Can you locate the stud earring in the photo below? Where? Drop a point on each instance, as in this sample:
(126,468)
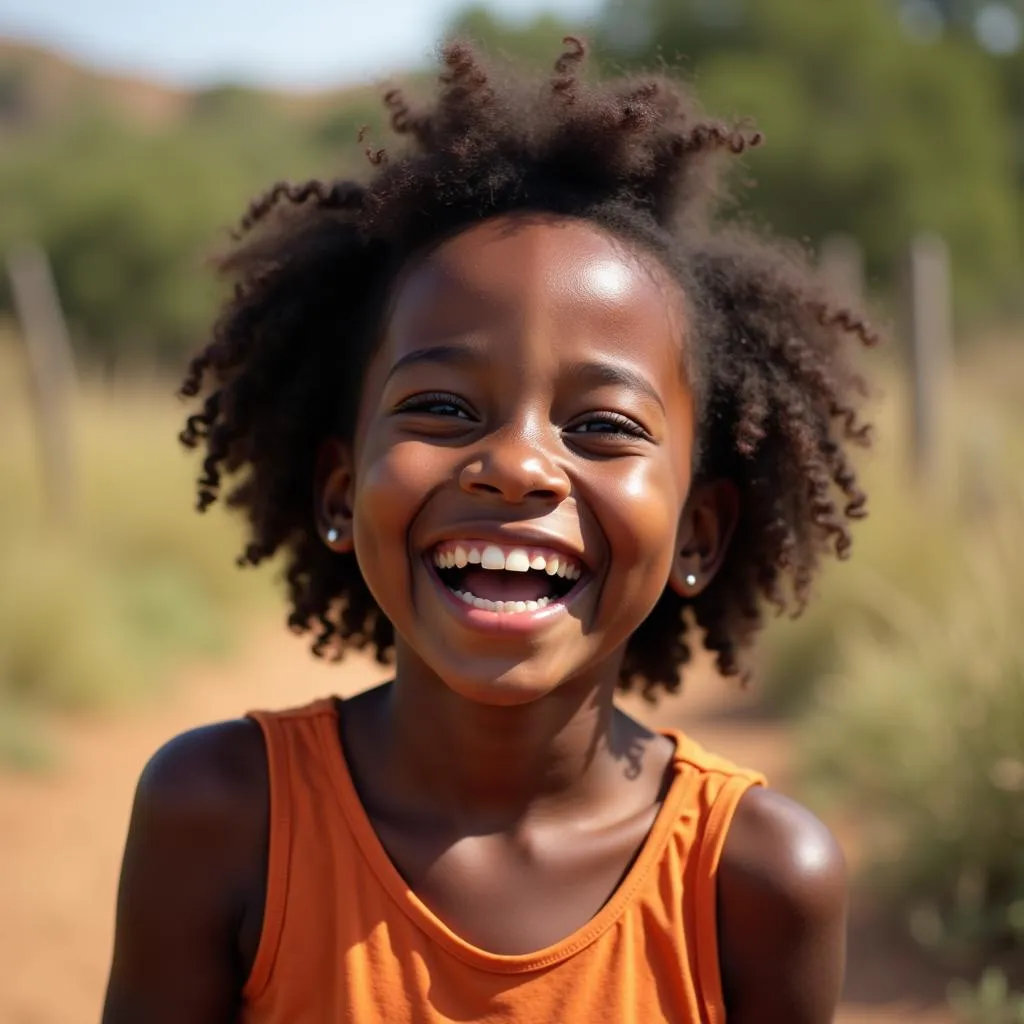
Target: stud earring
(332,536)
(691,580)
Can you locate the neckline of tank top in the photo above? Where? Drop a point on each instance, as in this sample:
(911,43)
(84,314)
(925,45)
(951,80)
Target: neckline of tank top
(432,926)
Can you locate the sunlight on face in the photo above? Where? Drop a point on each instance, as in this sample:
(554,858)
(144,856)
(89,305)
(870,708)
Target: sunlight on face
(633,483)
(608,280)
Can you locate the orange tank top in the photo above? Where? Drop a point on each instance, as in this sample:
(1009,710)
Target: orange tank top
(345,939)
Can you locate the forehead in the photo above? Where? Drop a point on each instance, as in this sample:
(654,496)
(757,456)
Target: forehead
(524,269)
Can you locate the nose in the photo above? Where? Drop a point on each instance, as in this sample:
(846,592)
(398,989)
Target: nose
(514,469)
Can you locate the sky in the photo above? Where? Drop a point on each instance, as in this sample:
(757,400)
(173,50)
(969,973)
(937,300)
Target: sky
(296,44)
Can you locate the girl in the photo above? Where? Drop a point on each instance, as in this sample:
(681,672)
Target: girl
(515,413)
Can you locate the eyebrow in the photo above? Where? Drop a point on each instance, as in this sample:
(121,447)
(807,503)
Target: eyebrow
(615,374)
(592,373)
(443,355)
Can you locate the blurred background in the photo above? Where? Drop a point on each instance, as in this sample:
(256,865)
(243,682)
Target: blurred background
(131,138)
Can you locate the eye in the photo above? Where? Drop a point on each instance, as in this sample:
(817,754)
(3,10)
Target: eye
(609,424)
(436,403)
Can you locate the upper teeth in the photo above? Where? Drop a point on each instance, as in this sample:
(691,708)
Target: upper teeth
(491,556)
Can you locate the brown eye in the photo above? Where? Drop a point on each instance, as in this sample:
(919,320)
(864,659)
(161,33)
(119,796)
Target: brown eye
(438,404)
(610,424)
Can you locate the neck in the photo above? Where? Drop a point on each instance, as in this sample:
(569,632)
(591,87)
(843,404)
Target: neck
(560,749)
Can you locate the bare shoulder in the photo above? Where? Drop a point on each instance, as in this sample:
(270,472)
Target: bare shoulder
(213,770)
(779,848)
(204,798)
(782,893)
(191,893)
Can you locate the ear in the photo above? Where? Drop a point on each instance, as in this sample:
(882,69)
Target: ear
(705,530)
(333,495)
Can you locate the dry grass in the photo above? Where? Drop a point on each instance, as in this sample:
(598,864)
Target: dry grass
(98,612)
(909,541)
(910,674)
(920,737)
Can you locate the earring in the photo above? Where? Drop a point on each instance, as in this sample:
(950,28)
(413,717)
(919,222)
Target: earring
(691,580)
(332,536)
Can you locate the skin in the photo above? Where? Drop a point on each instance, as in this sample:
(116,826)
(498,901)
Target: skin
(528,382)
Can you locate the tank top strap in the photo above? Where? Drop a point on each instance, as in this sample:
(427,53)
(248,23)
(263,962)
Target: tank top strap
(713,788)
(299,780)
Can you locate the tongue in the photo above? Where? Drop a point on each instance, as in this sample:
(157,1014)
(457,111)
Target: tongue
(501,585)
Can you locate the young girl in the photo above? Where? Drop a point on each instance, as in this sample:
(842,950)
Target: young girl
(515,413)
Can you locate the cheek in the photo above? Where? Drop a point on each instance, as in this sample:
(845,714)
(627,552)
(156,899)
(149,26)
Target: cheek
(640,514)
(391,485)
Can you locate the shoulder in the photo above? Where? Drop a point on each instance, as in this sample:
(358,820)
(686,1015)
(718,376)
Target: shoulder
(778,848)
(200,822)
(207,770)
(190,898)
(782,891)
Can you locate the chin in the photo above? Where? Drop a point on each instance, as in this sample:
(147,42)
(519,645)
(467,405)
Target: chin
(514,686)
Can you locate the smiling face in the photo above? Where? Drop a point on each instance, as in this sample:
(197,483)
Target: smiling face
(523,456)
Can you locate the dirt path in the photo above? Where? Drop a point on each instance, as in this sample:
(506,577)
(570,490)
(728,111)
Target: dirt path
(61,836)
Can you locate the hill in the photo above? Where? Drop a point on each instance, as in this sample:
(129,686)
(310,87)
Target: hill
(41,87)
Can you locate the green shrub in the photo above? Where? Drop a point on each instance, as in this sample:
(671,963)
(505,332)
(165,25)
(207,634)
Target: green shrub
(990,1002)
(908,543)
(97,612)
(919,738)
(24,741)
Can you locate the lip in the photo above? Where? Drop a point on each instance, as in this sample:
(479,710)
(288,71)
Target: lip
(519,536)
(503,623)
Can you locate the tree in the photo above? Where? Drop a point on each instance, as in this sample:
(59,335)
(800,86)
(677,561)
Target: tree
(129,216)
(868,132)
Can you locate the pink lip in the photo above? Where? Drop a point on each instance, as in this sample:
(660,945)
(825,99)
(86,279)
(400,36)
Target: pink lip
(519,623)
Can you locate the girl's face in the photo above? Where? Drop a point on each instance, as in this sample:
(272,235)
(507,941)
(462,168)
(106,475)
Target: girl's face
(523,456)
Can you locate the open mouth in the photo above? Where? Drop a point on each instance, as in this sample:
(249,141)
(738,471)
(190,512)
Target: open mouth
(506,579)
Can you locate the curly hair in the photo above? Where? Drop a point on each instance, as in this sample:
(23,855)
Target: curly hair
(312,264)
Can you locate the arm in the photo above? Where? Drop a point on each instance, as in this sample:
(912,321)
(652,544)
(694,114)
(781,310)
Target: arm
(190,900)
(782,914)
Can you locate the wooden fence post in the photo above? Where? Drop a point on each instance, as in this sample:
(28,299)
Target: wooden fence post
(929,317)
(51,364)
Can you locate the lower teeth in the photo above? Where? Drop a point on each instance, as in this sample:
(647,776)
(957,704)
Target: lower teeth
(506,607)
